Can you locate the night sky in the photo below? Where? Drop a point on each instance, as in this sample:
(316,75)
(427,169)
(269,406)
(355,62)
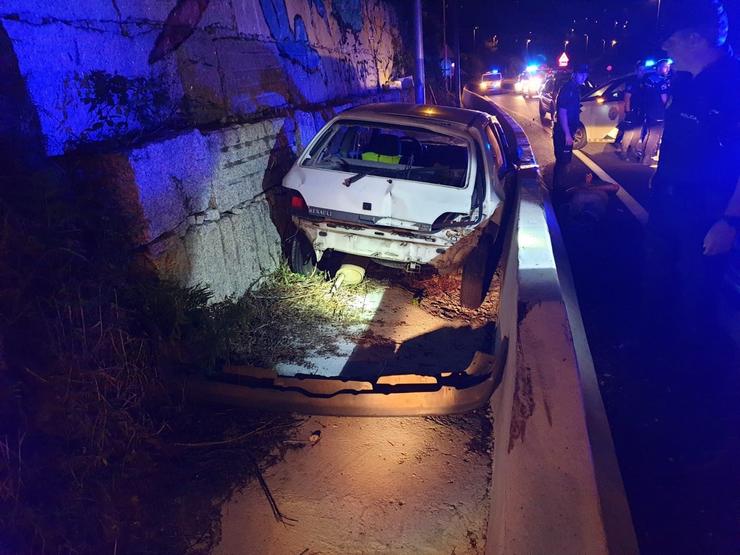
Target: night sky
(631,23)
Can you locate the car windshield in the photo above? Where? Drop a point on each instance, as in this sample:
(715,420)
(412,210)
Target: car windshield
(492,77)
(368,148)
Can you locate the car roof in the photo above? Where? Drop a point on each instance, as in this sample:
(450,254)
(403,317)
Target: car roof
(440,115)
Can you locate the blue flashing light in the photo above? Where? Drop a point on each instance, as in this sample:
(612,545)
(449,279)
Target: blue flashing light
(495,70)
(532,68)
(670,61)
(649,63)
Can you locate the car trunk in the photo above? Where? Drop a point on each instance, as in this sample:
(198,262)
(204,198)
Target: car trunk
(380,200)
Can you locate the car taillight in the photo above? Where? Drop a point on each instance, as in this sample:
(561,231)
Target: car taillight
(297,203)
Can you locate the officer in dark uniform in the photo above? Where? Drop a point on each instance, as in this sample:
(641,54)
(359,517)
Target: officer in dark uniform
(657,89)
(634,108)
(567,122)
(695,193)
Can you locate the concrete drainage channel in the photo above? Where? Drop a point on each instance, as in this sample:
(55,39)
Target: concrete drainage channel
(424,485)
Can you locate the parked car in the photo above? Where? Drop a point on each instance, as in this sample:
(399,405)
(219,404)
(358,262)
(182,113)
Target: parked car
(548,95)
(491,82)
(403,185)
(603,109)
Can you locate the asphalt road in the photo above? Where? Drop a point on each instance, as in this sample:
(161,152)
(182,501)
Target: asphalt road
(676,432)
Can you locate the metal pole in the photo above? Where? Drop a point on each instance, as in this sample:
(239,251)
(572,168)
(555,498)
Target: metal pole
(419,78)
(444,41)
(458,68)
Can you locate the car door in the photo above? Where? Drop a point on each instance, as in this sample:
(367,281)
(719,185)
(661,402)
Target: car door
(603,109)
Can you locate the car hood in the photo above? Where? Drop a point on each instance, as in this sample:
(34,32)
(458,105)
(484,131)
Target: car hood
(381,200)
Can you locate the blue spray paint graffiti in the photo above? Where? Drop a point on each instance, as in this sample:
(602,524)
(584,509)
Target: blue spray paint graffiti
(293,44)
(348,14)
(319,5)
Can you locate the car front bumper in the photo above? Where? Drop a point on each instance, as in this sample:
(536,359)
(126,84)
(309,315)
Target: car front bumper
(444,249)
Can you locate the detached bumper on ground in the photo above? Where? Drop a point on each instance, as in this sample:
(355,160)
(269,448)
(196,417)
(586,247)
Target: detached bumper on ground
(389,395)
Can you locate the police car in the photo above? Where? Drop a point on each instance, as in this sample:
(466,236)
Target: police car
(530,82)
(491,82)
(405,186)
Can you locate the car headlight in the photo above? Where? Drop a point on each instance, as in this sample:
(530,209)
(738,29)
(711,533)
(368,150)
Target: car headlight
(482,86)
(497,84)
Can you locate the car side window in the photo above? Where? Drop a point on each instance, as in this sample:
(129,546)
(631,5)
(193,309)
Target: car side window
(617,91)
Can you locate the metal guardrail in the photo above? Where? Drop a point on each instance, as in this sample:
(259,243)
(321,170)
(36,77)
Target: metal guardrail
(557,486)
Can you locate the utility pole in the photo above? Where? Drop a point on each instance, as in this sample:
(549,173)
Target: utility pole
(446,62)
(458,69)
(419,77)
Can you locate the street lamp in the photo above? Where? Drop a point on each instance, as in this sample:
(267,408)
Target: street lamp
(475,29)
(657,18)
(565,45)
(528,41)
(614,43)
(586,35)
(603,46)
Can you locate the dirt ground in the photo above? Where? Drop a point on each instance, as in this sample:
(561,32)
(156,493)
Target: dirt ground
(370,485)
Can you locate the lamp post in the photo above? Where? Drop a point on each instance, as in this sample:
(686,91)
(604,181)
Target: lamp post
(586,35)
(475,29)
(527,46)
(603,46)
(565,45)
(419,35)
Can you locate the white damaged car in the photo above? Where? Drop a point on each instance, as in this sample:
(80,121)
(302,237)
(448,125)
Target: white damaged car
(404,185)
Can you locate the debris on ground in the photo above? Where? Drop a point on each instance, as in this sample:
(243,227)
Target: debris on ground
(440,296)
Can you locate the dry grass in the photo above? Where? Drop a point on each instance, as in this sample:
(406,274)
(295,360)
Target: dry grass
(291,317)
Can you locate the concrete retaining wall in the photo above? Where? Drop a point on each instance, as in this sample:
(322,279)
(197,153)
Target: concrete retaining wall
(204,105)
(557,486)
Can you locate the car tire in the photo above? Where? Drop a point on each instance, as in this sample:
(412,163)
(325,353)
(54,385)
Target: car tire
(302,256)
(580,140)
(543,114)
(473,286)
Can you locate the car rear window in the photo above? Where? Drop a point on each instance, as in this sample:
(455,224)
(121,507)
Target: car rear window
(392,151)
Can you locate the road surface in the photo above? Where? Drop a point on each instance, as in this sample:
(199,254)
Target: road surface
(677,434)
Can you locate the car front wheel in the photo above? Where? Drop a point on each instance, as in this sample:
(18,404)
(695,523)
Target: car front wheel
(543,113)
(580,140)
(474,283)
(302,257)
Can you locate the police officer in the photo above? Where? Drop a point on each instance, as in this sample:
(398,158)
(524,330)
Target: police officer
(656,88)
(634,108)
(567,122)
(695,193)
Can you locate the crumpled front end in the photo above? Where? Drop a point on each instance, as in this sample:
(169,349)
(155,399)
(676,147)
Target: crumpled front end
(445,249)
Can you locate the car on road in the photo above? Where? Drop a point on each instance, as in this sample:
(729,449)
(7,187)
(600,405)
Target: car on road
(529,83)
(548,95)
(403,185)
(491,82)
(603,109)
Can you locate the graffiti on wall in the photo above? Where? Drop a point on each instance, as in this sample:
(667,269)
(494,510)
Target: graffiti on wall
(291,43)
(348,14)
(319,5)
(178,27)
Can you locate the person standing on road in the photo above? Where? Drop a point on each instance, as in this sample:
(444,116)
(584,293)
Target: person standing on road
(657,88)
(634,109)
(567,122)
(695,193)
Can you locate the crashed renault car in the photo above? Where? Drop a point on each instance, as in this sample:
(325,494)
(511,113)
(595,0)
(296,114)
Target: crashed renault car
(404,185)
